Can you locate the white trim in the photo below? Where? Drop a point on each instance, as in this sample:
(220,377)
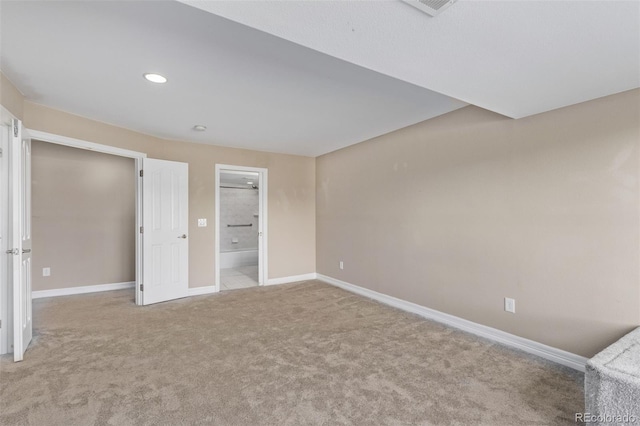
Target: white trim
(139,236)
(559,356)
(198,291)
(6,308)
(216,224)
(292,279)
(77,143)
(82,290)
(263,246)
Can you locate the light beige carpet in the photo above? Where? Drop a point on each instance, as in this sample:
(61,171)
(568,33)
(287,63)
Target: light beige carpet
(284,355)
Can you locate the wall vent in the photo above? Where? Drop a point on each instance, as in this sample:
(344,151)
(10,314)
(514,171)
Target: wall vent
(431,7)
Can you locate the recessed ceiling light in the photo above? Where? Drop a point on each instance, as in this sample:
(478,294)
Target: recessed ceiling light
(155,78)
(199,128)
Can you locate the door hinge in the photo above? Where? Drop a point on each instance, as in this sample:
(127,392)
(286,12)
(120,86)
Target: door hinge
(141,173)
(15,128)
(141,287)
(0,152)
(142,229)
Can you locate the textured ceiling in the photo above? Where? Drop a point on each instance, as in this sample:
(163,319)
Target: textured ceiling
(251,89)
(305,77)
(516,58)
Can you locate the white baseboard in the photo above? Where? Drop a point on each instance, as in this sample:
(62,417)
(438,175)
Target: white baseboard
(199,291)
(81,290)
(292,279)
(547,352)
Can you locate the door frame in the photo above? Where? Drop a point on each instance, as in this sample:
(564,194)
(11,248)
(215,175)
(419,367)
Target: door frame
(6,289)
(107,149)
(263,246)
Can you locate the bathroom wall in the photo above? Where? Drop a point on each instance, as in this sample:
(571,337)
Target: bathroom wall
(238,206)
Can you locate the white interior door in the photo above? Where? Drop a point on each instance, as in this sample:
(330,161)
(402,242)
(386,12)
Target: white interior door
(165,211)
(20,205)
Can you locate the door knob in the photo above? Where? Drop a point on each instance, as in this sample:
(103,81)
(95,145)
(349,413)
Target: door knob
(183,236)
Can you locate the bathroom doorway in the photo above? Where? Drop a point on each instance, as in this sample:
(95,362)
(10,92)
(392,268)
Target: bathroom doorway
(240,231)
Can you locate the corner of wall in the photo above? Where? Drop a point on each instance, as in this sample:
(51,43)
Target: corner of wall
(10,97)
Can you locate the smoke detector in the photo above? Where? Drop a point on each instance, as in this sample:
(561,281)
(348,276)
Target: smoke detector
(430,7)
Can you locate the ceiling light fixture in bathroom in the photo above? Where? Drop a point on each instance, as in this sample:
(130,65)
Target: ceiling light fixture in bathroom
(199,128)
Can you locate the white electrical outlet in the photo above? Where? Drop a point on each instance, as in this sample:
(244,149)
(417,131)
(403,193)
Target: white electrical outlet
(202,223)
(510,305)
(46,272)
(341,264)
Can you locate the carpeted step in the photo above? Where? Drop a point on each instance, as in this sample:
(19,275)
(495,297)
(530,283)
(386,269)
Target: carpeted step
(612,383)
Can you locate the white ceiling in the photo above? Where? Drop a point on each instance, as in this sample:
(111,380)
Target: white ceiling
(516,58)
(310,77)
(251,89)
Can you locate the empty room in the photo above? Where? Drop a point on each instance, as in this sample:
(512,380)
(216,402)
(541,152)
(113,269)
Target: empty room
(392,212)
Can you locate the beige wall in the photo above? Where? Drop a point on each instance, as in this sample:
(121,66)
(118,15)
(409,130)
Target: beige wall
(83,210)
(458,212)
(291,191)
(454,213)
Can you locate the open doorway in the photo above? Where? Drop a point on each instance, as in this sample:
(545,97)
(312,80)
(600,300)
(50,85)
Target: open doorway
(166,257)
(84,217)
(240,227)
(136,181)
(16,224)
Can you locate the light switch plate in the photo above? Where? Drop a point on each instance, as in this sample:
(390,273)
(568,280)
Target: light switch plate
(510,305)
(46,272)
(202,223)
